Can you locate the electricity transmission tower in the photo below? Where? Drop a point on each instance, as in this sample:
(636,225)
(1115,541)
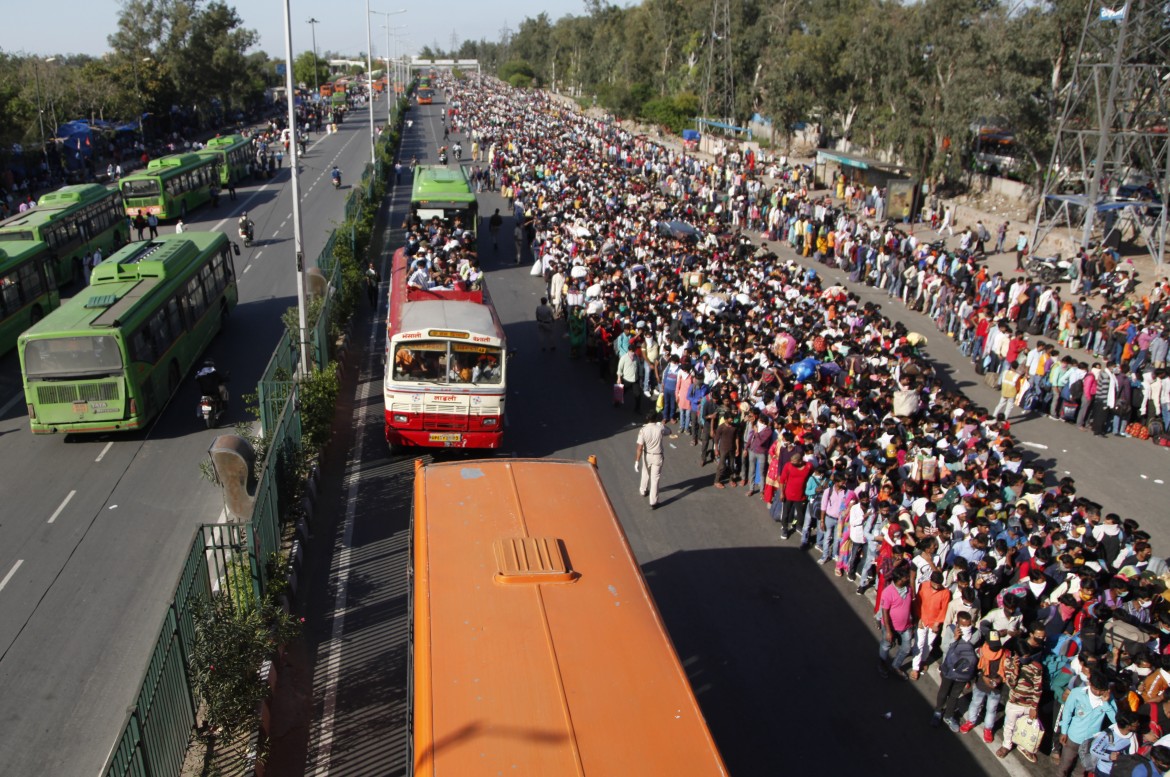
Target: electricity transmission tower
(719,79)
(1111,141)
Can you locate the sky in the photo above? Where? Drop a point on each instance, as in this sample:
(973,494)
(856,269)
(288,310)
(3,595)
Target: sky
(341,25)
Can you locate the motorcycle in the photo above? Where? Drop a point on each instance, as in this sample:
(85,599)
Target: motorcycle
(246,234)
(211,407)
(442,157)
(212,402)
(1048,269)
(337,182)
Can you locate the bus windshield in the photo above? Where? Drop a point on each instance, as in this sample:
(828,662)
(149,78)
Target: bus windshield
(66,357)
(140,187)
(442,361)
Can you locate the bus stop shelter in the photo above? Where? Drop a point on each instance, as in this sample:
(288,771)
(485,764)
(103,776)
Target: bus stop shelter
(857,168)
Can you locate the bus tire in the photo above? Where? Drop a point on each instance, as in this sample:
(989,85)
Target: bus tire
(173,378)
(183,210)
(36,315)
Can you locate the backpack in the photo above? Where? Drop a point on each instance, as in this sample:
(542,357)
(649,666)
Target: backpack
(1128,765)
(960,662)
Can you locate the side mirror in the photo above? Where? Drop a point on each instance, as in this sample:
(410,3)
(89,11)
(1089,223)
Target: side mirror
(236,248)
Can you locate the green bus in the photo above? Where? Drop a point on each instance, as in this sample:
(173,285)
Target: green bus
(27,288)
(446,193)
(235,156)
(170,185)
(72,221)
(111,357)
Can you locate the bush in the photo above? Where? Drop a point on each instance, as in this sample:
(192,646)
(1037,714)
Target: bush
(318,396)
(231,643)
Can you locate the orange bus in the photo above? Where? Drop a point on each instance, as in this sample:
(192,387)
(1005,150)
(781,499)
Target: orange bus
(536,646)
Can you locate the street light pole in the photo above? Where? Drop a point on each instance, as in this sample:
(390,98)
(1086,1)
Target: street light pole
(298,239)
(370,68)
(40,108)
(316,85)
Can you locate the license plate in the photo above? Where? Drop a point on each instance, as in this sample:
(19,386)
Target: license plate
(80,407)
(445,437)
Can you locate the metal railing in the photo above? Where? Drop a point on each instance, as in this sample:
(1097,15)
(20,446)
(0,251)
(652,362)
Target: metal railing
(158,727)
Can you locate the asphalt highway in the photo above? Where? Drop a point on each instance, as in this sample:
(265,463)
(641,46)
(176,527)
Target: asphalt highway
(782,656)
(94,530)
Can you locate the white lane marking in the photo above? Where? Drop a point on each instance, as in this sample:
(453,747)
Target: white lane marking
(246,268)
(11,572)
(105,450)
(239,208)
(8,405)
(57,512)
(277,232)
(257,256)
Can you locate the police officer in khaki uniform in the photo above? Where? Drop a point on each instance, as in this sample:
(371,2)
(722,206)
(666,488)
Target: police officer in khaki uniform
(649,456)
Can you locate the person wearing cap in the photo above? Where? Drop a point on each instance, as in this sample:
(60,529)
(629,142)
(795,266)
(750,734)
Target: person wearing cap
(1024,677)
(985,693)
(649,455)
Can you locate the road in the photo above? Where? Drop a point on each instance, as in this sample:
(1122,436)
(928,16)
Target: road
(782,655)
(94,530)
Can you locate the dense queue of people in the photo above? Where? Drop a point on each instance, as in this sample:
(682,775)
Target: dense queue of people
(996,571)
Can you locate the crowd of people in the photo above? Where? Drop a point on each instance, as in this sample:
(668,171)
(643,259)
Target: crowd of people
(993,569)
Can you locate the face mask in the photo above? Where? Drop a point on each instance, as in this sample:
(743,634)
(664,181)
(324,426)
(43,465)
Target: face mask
(965,631)
(1142,671)
(997,505)
(1145,605)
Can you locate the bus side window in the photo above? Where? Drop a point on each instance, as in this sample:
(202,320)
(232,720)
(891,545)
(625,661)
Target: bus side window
(162,328)
(8,295)
(142,346)
(219,267)
(175,315)
(30,282)
(196,303)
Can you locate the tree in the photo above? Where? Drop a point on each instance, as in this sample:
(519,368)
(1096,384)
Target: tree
(309,69)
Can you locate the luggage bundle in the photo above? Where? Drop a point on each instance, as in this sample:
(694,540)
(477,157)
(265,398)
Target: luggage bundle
(1138,430)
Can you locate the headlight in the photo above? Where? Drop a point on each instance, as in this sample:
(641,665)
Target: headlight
(490,421)
(400,419)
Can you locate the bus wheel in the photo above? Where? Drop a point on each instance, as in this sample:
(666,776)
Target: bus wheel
(173,378)
(36,315)
(183,210)
(76,273)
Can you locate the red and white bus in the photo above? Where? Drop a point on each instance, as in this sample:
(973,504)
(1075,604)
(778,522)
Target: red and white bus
(446,354)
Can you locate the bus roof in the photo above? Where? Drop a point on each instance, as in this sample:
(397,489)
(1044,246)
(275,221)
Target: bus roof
(226,142)
(122,281)
(169,165)
(20,226)
(14,251)
(538,647)
(446,314)
(438,182)
(73,195)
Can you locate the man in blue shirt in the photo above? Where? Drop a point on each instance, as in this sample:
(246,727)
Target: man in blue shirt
(1084,711)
